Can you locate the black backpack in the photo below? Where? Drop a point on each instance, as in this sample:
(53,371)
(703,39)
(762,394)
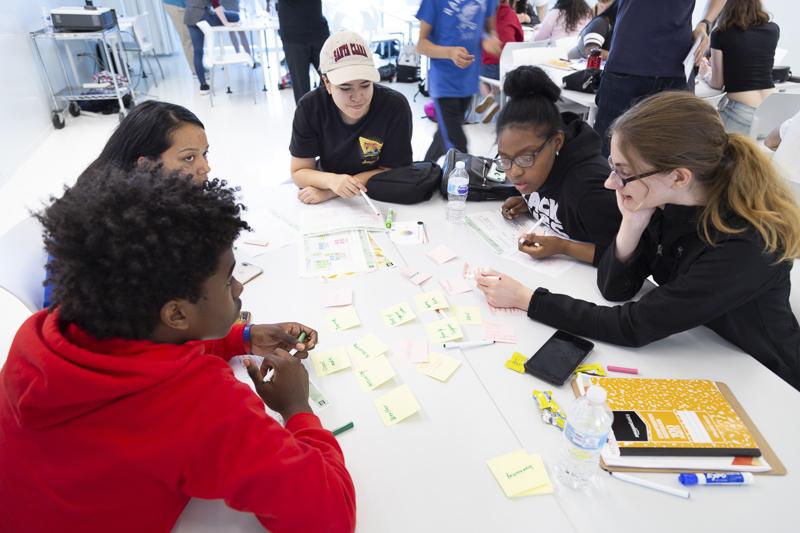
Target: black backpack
(406,185)
(481,186)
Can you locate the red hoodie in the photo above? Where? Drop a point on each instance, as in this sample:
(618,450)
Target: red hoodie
(117,436)
(509,30)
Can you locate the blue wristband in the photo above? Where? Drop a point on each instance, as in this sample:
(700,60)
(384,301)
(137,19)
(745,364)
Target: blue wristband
(246,335)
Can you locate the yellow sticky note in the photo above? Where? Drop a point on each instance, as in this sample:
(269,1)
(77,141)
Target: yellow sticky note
(445,330)
(431,301)
(439,366)
(397,405)
(468,315)
(330,361)
(375,373)
(517,362)
(547,487)
(367,347)
(519,473)
(397,314)
(342,319)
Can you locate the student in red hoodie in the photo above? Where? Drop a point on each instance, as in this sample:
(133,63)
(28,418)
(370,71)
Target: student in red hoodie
(509,30)
(118,405)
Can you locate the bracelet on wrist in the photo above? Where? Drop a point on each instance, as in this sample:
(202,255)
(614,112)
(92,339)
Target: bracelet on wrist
(246,337)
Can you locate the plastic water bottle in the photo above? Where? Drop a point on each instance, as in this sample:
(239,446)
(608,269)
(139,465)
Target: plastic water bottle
(457,189)
(588,423)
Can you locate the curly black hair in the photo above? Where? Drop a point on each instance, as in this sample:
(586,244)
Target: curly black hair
(126,241)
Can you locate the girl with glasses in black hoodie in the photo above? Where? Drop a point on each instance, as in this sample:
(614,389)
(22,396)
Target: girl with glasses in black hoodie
(555,163)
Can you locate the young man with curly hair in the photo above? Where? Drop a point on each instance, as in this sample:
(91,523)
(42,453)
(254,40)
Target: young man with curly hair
(117,404)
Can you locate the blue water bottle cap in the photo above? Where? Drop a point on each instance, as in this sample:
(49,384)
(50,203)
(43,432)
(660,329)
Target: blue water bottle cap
(687,479)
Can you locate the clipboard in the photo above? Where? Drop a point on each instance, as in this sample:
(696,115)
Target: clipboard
(776,466)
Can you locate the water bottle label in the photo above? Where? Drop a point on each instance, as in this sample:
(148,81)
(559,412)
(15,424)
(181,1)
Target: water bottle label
(584,442)
(460,189)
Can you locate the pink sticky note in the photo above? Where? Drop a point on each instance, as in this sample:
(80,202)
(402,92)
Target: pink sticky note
(501,311)
(442,254)
(414,276)
(415,351)
(499,332)
(456,286)
(338,298)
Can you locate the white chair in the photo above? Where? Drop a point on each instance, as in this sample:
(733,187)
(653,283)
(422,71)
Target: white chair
(776,108)
(509,59)
(217,56)
(22,269)
(143,46)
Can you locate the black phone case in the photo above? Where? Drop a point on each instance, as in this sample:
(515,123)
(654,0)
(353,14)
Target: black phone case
(583,345)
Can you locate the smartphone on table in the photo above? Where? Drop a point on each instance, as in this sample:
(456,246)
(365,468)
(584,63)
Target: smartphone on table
(558,358)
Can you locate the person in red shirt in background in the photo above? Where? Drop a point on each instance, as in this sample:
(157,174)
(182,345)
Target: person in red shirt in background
(118,405)
(509,30)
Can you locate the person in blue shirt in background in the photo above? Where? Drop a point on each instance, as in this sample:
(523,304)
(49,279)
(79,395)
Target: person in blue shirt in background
(650,41)
(451,33)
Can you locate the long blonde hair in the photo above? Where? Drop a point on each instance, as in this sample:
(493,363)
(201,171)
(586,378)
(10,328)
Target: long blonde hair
(676,129)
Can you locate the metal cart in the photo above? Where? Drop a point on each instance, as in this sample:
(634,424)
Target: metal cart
(67,99)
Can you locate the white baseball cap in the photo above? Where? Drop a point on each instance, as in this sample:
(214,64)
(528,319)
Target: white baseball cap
(345,57)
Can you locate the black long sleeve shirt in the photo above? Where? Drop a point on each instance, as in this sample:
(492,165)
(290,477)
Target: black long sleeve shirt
(734,288)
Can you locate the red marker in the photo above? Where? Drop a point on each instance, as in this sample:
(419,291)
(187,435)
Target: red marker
(622,369)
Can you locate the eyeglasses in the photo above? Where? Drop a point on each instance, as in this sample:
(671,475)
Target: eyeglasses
(626,180)
(523,160)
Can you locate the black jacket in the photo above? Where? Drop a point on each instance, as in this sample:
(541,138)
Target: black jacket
(574,201)
(734,288)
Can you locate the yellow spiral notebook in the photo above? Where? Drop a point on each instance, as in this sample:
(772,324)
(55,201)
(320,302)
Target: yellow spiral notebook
(677,417)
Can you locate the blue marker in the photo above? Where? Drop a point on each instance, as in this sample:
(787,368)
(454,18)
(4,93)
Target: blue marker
(731,478)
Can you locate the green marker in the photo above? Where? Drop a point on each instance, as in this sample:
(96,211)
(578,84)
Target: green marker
(389,218)
(300,339)
(342,429)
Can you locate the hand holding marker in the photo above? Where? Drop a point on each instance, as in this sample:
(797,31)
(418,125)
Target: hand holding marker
(524,237)
(293,351)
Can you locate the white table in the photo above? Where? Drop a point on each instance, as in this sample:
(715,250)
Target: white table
(429,472)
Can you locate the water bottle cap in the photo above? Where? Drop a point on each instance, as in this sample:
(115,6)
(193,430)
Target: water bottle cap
(460,164)
(596,395)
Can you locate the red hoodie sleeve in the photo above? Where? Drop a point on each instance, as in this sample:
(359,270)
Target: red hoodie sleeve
(229,346)
(293,479)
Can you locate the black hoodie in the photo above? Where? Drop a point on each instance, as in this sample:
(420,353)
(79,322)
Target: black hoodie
(573,201)
(734,288)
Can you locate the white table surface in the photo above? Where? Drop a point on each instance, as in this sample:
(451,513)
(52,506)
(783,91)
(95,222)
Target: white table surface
(429,472)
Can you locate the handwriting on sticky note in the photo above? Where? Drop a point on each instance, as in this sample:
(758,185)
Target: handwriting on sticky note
(397,405)
(375,373)
(442,254)
(468,316)
(367,347)
(397,315)
(338,298)
(445,330)
(499,332)
(330,361)
(414,350)
(414,276)
(431,301)
(343,319)
(457,286)
(519,473)
(439,366)
(544,488)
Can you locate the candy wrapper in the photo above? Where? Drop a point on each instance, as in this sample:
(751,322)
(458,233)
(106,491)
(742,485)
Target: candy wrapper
(551,412)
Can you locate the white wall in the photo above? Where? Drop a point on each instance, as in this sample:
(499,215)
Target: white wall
(24,104)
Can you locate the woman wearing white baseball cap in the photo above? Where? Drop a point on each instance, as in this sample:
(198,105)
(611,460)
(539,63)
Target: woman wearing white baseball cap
(350,128)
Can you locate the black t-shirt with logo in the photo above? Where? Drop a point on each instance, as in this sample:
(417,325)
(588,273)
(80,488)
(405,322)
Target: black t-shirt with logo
(381,139)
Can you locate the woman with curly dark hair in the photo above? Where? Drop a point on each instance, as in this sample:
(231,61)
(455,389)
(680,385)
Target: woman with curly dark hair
(565,19)
(126,380)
